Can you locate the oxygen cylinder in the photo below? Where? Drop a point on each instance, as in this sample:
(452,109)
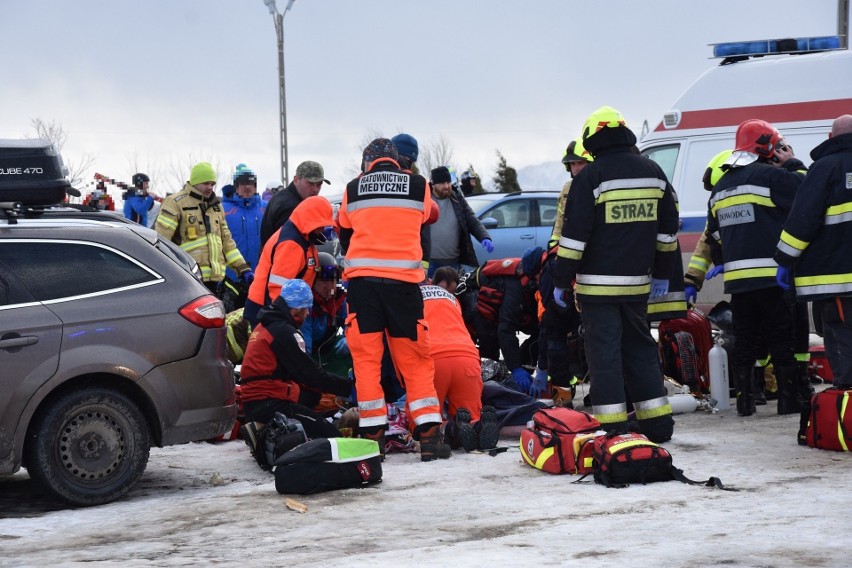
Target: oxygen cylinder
(719,383)
(682,403)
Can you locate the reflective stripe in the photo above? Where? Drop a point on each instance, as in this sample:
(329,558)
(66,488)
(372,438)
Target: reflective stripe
(652,408)
(699,263)
(762,362)
(194,244)
(232,341)
(275,279)
(837,214)
(609,280)
(666,238)
(794,243)
(385,203)
(569,253)
(841,436)
(610,413)
(741,194)
(434,418)
(542,458)
(612,290)
(423,403)
(750,268)
(634,187)
(802,357)
(383,262)
(829,284)
(666,247)
(789,250)
(374,404)
(167,222)
(716,236)
(368,421)
(572,244)
(631,444)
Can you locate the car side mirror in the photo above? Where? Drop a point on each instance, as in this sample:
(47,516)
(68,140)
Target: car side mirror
(489,223)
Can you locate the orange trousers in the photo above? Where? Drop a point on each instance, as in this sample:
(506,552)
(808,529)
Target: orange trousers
(458,380)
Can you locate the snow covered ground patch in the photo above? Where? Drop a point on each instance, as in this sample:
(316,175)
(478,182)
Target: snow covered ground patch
(470,510)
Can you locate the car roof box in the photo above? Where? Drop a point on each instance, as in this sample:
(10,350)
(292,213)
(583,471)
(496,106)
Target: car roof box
(31,172)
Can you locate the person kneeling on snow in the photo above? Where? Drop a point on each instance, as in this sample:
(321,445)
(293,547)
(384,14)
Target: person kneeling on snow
(278,375)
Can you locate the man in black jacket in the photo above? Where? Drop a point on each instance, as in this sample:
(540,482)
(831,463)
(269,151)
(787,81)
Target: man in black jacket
(306,183)
(449,236)
(617,248)
(278,375)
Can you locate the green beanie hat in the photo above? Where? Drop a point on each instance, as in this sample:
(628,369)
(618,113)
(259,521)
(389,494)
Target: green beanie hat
(202,172)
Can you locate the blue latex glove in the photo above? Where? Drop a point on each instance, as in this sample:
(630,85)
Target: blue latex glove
(247,276)
(659,287)
(782,276)
(522,378)
(488,245)
(715,271)
(559,297)
(329,234)
(539,384)
(691,294)
(341,347)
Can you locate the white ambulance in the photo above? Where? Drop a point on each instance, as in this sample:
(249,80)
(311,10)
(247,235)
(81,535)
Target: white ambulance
(798,85)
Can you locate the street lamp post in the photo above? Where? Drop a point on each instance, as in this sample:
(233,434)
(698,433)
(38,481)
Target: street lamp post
(278,19)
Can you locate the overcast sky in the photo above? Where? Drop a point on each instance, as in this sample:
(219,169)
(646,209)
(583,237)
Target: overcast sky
(150,85)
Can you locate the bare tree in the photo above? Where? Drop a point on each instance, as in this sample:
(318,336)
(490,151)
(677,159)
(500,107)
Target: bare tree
(434,154)
(355,170)
(78,168)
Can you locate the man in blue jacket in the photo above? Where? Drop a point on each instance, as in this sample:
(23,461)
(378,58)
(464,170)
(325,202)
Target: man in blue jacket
(244,212)
(137,202)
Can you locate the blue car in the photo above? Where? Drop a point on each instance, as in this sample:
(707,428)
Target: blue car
(516,221)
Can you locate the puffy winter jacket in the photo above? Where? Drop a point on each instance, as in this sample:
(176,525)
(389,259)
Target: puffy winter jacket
(244,216)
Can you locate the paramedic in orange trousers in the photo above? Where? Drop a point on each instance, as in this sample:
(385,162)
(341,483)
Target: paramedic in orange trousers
(380,218)
(458,369)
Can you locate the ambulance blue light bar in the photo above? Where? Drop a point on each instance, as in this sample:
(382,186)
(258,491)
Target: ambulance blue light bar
(775,46)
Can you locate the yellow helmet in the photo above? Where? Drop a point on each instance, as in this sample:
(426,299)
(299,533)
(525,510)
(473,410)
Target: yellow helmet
(604,117)
(714,169)
(576,152)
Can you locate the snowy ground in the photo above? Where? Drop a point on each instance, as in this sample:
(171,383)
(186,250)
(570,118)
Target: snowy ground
(470,510)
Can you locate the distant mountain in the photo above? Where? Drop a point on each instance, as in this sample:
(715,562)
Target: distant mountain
(549,176)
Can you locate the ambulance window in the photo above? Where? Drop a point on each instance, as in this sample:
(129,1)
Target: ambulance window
(665,156)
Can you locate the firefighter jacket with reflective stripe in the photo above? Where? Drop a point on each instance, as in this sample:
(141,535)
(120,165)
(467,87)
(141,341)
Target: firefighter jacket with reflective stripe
(276,365)
(448,334)
(818,230)
(198,226)
(290,253)
(746,211)
(620,228)
(380,220)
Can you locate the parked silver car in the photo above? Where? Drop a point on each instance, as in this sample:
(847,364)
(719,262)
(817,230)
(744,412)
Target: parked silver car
(108,344)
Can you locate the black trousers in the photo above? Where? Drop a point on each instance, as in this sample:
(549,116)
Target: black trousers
(837,332)
(762,321)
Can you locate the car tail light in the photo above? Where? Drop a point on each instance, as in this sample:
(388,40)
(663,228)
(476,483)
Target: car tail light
(206,311)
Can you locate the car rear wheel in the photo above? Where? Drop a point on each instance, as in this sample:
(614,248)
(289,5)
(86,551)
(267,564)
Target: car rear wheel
(88,447)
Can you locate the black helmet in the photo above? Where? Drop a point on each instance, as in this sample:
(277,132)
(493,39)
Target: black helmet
(139,179)
(328,268)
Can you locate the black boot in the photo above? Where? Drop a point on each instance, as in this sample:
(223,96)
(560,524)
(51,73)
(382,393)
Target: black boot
(377,435)
(788,392)
(803,385)
(432,444)
(744,383)
(760,386)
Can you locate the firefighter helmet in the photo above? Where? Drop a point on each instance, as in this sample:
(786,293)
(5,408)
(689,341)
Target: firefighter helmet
(715,170)
(576,152)
(604,117)
(757,137)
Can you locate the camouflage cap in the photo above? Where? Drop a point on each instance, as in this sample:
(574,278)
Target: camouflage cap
(312,172)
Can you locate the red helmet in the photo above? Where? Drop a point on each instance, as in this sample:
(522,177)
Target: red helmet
(758,137)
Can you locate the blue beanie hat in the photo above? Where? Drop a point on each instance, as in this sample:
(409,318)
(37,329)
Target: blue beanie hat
(406,145)
(297,294)
(531,261)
